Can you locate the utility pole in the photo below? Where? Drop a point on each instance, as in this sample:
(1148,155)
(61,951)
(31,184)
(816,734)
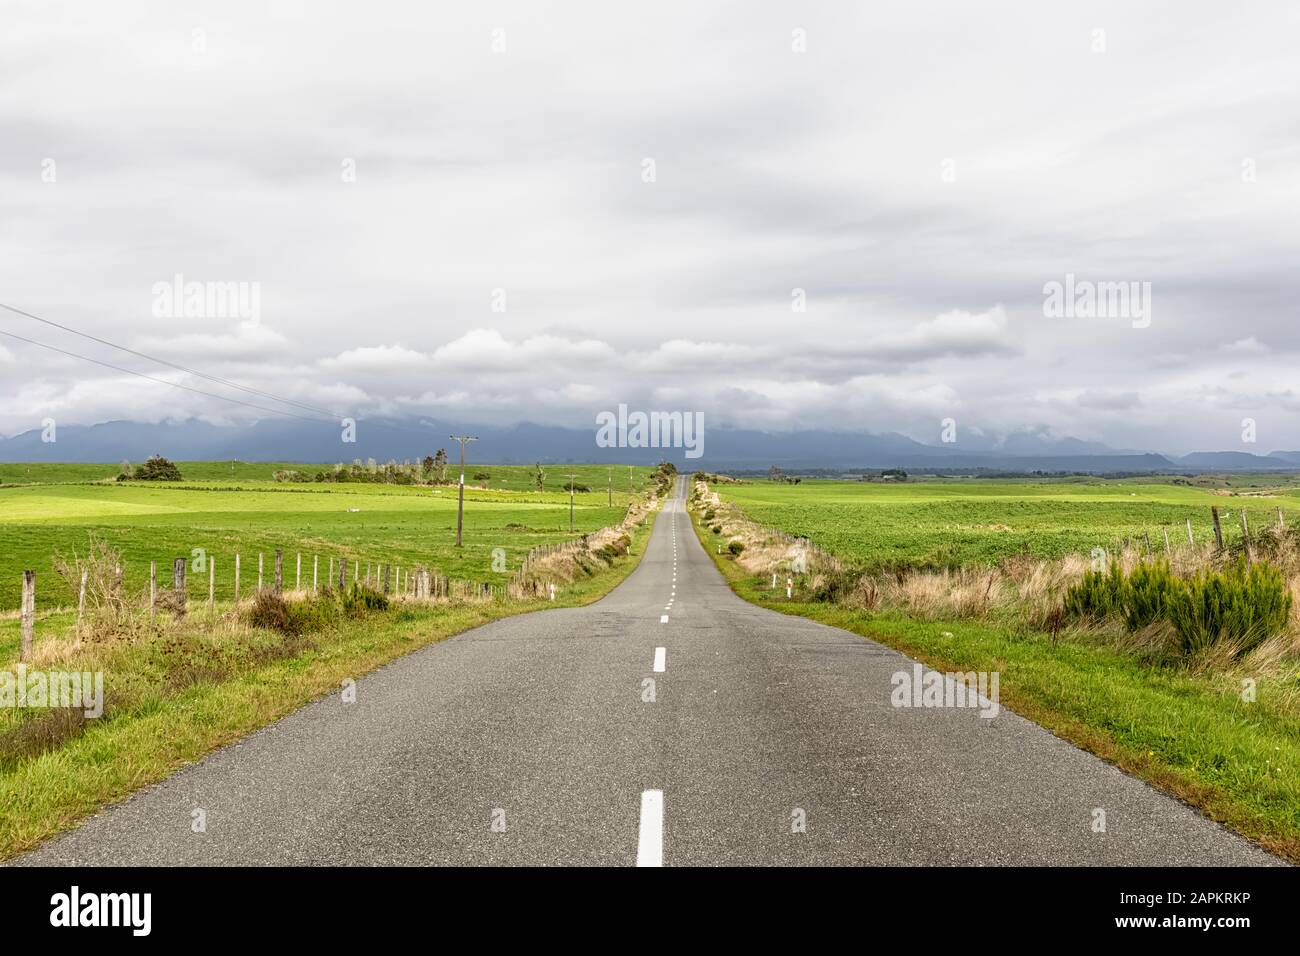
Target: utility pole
(460,502)
(572,479)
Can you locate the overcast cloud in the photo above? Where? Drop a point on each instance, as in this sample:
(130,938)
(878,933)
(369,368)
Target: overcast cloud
(920,172)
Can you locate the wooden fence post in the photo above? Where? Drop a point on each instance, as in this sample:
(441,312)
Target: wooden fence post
(315,571)
(178,583)
(388,579)
(28,614)
(279,570)
(1190,538)
(343,574)
(1245,533)
(236,577)
(297,578)
(259,572)
(153,587)
(1166,531)
(1218,529)
(212,582)
(81,597)
(1280,522)
(331,577)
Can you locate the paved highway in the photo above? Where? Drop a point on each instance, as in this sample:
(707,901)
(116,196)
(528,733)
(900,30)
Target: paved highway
(669,723)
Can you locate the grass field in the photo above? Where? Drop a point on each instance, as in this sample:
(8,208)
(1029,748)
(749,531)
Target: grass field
(953,523)
(47,509)
(1183,727)
(179,690)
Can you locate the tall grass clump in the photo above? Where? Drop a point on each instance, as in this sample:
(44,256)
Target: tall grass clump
(1245,604)
(1098,595)
(1238,607)
(1145,595)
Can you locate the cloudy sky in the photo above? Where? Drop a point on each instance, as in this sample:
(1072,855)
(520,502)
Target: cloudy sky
(492,212)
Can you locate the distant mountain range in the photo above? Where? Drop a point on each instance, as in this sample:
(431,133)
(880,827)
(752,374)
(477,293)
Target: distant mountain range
(724,448)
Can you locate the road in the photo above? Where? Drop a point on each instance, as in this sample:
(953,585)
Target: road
(763,739)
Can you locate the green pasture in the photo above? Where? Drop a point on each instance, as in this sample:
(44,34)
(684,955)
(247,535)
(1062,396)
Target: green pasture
(57,508)
(958,522)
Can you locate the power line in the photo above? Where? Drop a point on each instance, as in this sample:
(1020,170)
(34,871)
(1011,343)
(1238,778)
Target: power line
(181,368)
(333,417)
(163,381)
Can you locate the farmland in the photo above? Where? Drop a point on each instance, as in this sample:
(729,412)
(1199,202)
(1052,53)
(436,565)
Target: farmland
(176,685)
(1217,725)
(228,507)
(935,523)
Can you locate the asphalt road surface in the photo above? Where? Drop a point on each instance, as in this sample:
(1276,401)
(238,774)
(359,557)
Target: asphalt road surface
(762,739)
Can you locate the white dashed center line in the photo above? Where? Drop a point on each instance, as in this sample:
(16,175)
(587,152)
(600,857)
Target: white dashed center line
(663,619)
(650,841)
(661,659)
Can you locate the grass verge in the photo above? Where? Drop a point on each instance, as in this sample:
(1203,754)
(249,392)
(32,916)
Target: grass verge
(1190,735)
(51,791)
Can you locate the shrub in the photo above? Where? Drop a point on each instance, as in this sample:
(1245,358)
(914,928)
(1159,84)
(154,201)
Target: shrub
(292,618)
(735,547)
(1146,594)
(834,586)
(716,529)
(102,569)
(1246,604)
(1098,595)
(616,548)
(156,468)
(272,612)
(359,599)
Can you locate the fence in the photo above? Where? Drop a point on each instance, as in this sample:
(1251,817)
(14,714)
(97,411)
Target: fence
(527,583)
(815,557)
(418,583)
(389,578)
(1216,530)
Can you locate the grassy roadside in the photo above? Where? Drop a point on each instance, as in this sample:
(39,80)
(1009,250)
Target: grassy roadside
(119,754)
(1189,735)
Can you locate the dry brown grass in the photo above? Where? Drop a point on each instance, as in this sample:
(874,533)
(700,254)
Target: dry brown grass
(1022,591)
(967,592)
(580,558)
